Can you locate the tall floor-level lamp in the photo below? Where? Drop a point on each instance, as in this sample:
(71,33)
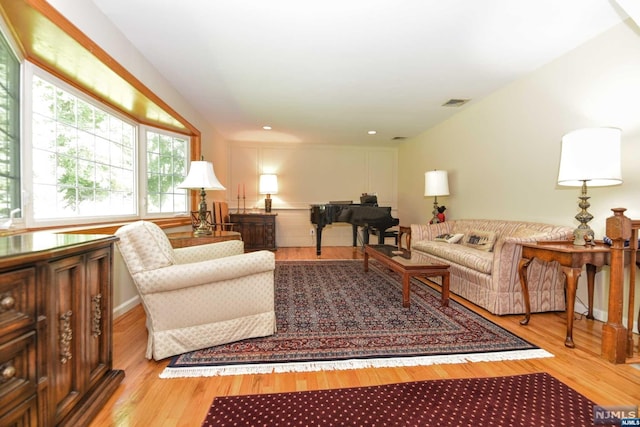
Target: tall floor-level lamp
(590,155)
(268,185)
(201,176)
(436,183)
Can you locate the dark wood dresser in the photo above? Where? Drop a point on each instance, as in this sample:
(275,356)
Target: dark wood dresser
(55,328)
(258,230)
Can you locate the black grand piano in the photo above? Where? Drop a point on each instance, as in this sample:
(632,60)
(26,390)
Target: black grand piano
(367,215)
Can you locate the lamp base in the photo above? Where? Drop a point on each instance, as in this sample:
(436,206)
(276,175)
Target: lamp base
(202,232)
(203,228)
(267,205)
(583,235)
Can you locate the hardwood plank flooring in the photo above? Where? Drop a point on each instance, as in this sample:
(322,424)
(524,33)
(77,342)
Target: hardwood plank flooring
(143,399)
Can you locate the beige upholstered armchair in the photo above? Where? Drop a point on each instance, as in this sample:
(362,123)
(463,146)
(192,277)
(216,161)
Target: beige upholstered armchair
(199,296)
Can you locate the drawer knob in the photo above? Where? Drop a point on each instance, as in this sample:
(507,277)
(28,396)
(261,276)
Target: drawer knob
(8,372)
(8,302)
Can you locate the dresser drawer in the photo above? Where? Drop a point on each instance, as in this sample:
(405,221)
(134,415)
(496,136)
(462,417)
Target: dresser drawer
(17,300)
(18,377)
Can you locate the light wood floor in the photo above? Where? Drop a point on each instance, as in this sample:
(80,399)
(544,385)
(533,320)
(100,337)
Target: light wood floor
(145,400)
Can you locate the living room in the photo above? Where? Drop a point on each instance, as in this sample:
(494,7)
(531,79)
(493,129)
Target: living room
(501,152)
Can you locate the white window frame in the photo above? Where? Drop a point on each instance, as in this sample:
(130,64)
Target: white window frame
(140,167)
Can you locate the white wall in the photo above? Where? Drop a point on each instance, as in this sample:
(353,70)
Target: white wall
(311,174)
(503,152)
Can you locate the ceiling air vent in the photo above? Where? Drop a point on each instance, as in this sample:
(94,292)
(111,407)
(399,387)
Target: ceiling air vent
(398,138)
(455,102)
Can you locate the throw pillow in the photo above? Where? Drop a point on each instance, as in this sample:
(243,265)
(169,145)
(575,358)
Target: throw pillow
(449,238)
(481,240)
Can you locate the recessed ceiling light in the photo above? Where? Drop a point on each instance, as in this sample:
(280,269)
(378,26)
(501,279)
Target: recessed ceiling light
(266,127)
(372,132)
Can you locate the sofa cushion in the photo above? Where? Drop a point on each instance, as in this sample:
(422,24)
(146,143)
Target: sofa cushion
(480,240)
(475,259)
(449,238)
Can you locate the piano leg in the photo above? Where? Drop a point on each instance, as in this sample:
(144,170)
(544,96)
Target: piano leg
(318,241)
(355,235)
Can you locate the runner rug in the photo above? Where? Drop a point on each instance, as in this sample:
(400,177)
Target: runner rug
(530,400)
(333,315)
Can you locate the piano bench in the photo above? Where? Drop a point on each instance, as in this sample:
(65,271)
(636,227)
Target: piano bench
(389,233)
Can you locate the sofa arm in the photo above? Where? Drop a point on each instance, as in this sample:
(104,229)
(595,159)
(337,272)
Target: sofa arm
(209,251)
(179,276)
(508,251)
(429,231)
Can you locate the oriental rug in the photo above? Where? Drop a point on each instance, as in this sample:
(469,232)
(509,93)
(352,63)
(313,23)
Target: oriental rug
(530,400)
(333,315)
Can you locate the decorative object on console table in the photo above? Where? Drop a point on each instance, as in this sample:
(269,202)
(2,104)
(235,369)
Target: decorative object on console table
(268,186)
(55,328)
(589,155)
(436,183)
(185,238)
(258,231)
(201,176)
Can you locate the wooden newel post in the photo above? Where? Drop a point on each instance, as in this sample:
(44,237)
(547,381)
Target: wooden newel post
(614,334)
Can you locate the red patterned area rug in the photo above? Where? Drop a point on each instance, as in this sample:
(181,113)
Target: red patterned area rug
(533,400)
(333,315)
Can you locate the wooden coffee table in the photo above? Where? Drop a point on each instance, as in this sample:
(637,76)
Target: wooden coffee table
(408,264)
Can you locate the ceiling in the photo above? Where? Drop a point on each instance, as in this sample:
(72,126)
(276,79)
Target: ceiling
(329,71)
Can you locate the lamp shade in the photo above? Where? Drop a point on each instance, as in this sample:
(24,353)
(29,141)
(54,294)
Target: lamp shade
(436,183)
(201,175)
(268,184)
(591,154)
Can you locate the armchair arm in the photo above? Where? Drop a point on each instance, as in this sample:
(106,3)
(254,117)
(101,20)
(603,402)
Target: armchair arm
(179,276)
(209,251)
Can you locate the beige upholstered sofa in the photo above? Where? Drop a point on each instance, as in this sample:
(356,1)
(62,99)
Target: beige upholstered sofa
(489,278)
(198,296)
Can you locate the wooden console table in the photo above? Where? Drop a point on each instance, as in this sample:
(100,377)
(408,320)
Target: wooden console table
(617,340)
(187,238)
(571,258)
(258,230)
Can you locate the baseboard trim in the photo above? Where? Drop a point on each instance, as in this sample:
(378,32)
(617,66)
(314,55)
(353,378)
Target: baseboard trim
(126,306)
(601,315)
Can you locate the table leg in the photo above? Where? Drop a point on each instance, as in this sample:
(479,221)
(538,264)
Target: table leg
(406,290)
(445,289)
(366,261)
(522,272)
(572,275)
(591,276)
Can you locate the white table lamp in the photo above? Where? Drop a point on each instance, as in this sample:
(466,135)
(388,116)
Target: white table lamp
(590,155)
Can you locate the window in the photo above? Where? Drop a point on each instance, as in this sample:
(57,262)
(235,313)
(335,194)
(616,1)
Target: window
(166,168)
(83,157)
(89,162)
(9,131)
